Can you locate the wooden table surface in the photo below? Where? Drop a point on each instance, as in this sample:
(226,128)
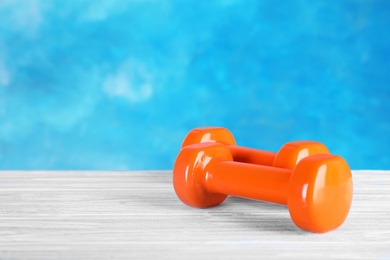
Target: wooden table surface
(136,215)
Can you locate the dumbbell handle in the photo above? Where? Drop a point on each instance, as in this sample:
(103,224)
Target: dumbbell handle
(250,155)
(251,181)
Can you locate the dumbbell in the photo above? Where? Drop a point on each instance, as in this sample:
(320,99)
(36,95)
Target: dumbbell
(221,135)
(318,191)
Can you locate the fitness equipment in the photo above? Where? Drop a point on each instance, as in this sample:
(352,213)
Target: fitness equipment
(318,191)
(296,150)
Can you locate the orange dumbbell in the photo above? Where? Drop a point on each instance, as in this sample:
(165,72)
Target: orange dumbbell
(318,191)
(296,150)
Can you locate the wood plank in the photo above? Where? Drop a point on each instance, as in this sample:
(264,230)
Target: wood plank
(78,214)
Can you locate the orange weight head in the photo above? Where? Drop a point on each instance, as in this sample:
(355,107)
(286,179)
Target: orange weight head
(190,172)
(291,153)
(209,134)
(320,193)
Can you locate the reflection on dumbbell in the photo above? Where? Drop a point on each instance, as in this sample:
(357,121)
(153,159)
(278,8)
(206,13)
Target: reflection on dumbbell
(287,157)
(318,191)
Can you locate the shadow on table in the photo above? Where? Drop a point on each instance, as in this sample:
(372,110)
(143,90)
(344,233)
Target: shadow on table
(238,212)
(264,216)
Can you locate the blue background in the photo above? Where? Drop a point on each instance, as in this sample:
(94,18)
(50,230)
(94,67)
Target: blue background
(118,84)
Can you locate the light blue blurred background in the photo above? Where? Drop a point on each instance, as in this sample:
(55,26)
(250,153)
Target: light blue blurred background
(118,84)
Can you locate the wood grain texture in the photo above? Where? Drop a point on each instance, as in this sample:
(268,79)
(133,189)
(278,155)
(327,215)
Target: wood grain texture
(136,215)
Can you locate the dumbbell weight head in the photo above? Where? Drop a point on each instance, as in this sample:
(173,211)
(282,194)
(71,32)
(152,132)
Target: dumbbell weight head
(287,157)
(320,192)
(190,171)
(291,153)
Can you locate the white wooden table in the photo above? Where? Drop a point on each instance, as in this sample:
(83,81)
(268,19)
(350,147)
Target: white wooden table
(136,215)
